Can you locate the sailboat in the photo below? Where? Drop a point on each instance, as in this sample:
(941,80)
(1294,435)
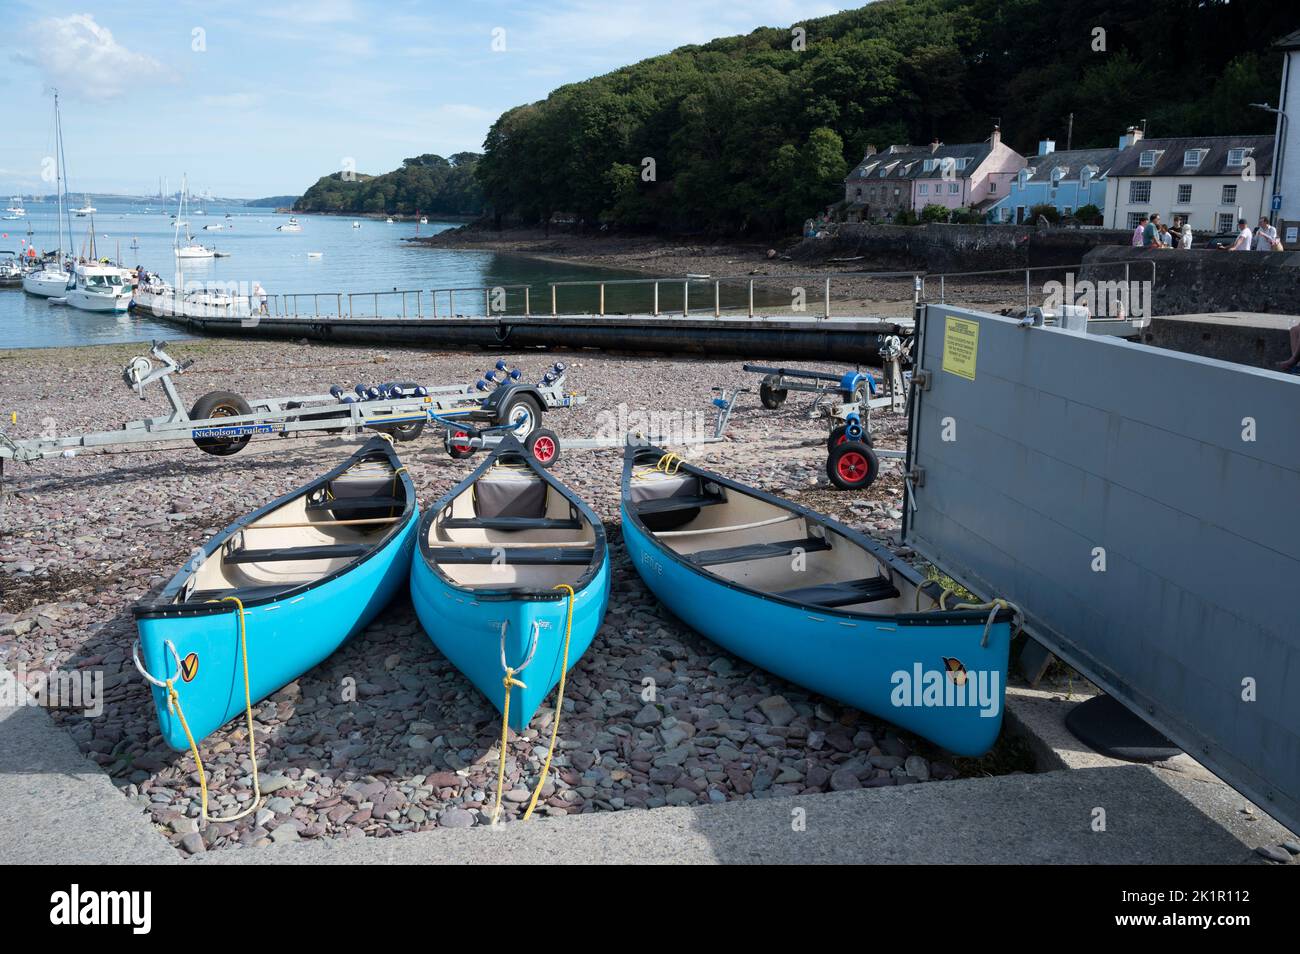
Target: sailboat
(15,210)
(52,280)
(191,250)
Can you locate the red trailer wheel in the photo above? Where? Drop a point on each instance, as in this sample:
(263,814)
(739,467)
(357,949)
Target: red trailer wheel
(544,445)
(852,465)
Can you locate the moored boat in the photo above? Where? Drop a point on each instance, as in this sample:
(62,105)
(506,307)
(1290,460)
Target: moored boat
(511,566)
(291,580)
(811,600)
(99,288)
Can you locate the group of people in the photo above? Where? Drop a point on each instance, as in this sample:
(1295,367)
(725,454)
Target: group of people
(1263,239)
(1150,232)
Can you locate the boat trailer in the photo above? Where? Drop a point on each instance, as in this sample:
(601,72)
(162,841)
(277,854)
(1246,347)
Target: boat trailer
(222,423)
(845,402)
(463,439)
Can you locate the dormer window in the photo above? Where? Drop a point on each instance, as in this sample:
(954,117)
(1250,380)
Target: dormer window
(1192,157)
(1148,159)
(1237,157)
(963,162)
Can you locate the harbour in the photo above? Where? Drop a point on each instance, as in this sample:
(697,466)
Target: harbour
(715,443)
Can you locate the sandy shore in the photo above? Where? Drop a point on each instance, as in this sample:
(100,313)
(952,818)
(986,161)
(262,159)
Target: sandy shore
(82,539)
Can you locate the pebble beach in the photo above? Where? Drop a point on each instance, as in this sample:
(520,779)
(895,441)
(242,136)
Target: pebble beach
(653,715)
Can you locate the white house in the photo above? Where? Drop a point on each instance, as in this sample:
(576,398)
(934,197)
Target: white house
(1286,161)
(1210,181)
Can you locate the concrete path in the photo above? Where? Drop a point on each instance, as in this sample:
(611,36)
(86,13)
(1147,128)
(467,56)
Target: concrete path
(56,806)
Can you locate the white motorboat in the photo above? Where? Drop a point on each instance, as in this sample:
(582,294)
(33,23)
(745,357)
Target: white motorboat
(15,210)
(290,226)
(356,225)
(86,209)
(189,250)
(390,221)
(213,227)
(99,288)
(11,271)
(424,220)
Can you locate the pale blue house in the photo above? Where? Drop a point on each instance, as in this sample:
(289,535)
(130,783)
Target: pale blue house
(1067,180)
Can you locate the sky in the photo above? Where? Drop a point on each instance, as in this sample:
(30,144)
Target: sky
(257,99)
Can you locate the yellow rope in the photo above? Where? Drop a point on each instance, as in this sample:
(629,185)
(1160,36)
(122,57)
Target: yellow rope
(509,681)
(669,464)
(174,700)
(559,703)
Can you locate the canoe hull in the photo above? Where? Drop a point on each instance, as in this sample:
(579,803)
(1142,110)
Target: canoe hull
(285,639)
(467,630)
(892,667)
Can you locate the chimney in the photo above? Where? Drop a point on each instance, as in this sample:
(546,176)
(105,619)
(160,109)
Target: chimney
(871,151)
(1130,137)
(1046,147)
(934,144)
(996,139)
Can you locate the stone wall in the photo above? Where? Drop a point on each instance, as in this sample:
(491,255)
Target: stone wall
(955,248)
(1209,280)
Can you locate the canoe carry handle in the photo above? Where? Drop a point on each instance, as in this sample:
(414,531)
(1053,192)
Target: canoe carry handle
(160,683)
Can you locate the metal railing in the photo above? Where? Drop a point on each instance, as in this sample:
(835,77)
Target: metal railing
(495,299)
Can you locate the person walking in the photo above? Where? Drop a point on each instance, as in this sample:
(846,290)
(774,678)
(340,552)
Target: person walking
(1266,239)
(1244,235)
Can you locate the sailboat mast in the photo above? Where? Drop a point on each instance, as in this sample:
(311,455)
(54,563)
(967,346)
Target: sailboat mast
(58,176)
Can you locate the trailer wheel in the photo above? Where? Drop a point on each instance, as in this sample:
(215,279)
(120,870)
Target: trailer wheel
(852,466)
(457,452)
(839,435)
(524,412)
(544,445)
(216,404)
(771,397)
(406,431)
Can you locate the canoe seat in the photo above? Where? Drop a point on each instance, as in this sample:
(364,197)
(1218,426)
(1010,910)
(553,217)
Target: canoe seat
(756,551)
(669,504)
(521,556)
(843,594)
(509,523)
(327,551)
(353,504)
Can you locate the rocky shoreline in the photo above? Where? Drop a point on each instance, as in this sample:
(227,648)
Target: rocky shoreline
(655,256)
(82,539)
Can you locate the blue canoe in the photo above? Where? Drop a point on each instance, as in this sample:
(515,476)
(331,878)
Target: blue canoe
(815,602)
(492,552)
(310,568)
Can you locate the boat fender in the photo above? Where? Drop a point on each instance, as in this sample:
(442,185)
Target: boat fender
(336,392)
(421,391)
(360,390)
(481,385)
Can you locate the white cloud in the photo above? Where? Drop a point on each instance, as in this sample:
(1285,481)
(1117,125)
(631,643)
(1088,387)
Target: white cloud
(82,59)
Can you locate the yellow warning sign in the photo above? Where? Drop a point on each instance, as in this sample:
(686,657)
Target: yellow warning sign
(961,343)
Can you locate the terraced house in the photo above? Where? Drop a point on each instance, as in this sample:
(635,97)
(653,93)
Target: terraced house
(1210,181)
(1067,180)
(965,175)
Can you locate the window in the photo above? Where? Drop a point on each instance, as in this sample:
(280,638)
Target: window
(927,165)
(1229,196)
(858,195)
(1237,157)
(1225,222)
(1139,191)
(954,188)
(962,162)
(1148,159)
(895,193)
(1134,218)
(924,188)
(993,185)
(1192,157)
(1184,193)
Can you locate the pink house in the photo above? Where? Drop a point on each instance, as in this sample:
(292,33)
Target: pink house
(967,175)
